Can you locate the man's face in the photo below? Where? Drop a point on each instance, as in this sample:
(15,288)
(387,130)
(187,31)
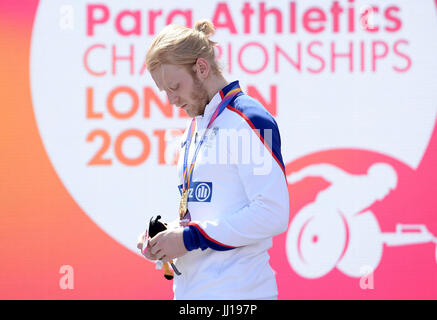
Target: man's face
(183,89)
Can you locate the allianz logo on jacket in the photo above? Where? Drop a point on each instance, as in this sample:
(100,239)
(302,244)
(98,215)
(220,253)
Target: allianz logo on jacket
(199,191)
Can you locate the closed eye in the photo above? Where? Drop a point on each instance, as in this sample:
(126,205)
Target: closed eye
(174,88)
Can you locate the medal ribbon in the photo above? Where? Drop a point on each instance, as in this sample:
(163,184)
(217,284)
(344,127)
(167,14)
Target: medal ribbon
(187,177)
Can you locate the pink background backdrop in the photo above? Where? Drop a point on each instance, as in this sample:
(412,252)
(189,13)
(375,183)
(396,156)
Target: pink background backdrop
(42,227)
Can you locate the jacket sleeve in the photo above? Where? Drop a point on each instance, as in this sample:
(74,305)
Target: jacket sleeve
(264,181)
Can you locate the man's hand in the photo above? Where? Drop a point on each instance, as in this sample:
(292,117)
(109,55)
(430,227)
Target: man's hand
(140,245)
(166,245)
(140,240)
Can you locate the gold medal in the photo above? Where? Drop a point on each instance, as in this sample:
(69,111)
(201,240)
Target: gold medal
(183,206)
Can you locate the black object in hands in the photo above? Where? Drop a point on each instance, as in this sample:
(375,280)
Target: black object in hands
(155,227)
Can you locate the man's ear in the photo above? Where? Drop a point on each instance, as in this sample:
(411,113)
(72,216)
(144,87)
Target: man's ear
(201,68)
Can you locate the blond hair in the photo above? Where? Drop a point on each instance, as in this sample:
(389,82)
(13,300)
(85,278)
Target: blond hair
(180,45)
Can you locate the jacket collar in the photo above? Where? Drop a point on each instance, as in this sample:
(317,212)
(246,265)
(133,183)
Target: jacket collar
(202,120)
(231,86)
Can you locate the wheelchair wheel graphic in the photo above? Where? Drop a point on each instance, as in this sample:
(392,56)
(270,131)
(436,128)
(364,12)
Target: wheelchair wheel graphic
(316,241)
(365,245)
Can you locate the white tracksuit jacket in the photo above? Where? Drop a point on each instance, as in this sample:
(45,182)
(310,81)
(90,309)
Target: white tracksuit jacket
(238,201)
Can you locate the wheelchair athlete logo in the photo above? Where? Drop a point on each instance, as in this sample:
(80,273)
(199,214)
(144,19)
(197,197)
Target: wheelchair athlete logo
(338,231)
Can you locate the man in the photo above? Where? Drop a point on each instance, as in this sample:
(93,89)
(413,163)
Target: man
(230,206)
